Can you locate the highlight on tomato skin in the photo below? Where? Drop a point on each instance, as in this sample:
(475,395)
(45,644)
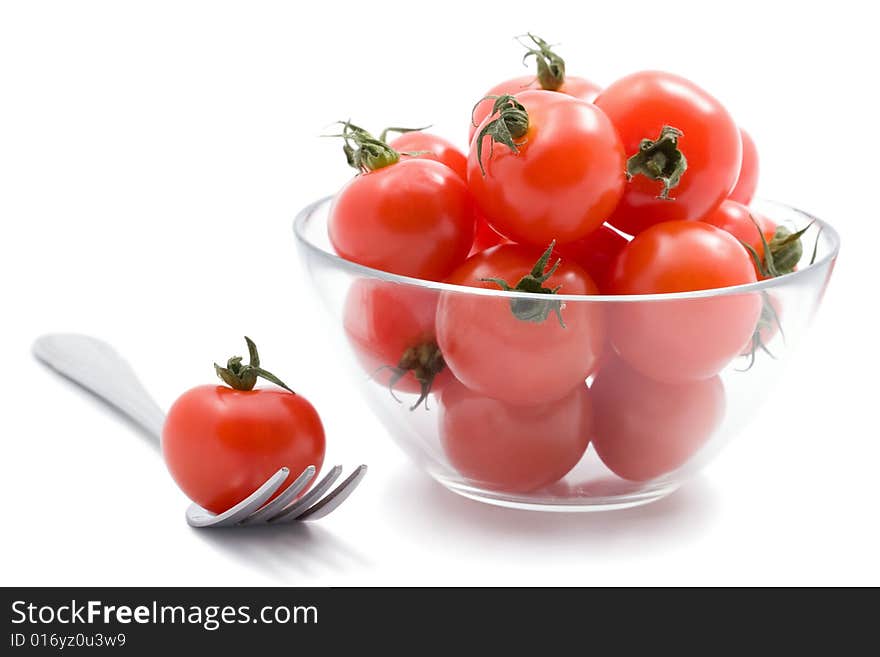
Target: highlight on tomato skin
(485,236)
(522,351)
(680,340)
(643,429)
(513,448)
(642,106)
(391,330)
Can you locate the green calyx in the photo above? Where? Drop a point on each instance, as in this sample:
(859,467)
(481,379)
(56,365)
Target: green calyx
(534,310)
(551,67)
(425,361)
(363,151)
(786,249)
(661,160)
(244,377)
(782,253)
(508,128)
(768,319)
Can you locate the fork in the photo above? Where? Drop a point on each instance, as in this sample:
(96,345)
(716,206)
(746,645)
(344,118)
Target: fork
(97,367)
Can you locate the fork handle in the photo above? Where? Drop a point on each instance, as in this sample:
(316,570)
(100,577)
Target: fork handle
(95,365)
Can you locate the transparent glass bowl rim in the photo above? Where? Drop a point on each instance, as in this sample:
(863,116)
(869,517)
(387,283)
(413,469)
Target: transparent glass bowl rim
(354,268)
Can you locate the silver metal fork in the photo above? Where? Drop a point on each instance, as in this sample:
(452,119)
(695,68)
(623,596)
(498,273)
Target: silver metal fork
(95,365)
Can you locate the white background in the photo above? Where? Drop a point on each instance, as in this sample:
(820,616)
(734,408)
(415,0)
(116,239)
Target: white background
(152,156)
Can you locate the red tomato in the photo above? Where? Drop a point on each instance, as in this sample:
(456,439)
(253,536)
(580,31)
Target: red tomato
(516,349)
(221,444)
(412,217)
(682,339)
(639,106)
(575,87)
(747,182)
(486,236)
(644,429)
(785,247)
(596,253)
(562,178)
(740,222)
(431,147)
(506,447)
(391,328)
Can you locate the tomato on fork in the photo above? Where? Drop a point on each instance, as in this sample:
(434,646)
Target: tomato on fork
(222,442)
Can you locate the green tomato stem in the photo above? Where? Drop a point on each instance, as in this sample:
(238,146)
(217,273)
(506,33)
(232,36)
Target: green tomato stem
(239,376)
(509,128)
(425,361)
(659,159)
(551,67)
(532,310)
(362,150)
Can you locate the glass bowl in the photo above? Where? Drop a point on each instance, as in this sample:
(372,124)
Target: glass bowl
(641,419)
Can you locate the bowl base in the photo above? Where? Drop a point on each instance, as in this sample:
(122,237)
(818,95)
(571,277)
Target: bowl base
(581,504)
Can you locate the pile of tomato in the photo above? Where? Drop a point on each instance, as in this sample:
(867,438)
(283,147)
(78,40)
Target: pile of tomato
(566,189)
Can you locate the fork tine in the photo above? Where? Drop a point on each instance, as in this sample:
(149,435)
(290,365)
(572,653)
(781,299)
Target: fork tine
(196,516)
(294,510)
(329,503)
(277,505)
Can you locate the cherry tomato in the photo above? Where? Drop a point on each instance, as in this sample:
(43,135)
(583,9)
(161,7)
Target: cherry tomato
(549,76)
(659,117)
(562,177)
(682,339)
(596,253)
(643,428)
(412,217)
(575,87)
(740,222)
(391,328)
(513,448)
(432,147)
(424,145)
(221,444)
(514,349)
(744,191)
(775,250)
(485,236)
